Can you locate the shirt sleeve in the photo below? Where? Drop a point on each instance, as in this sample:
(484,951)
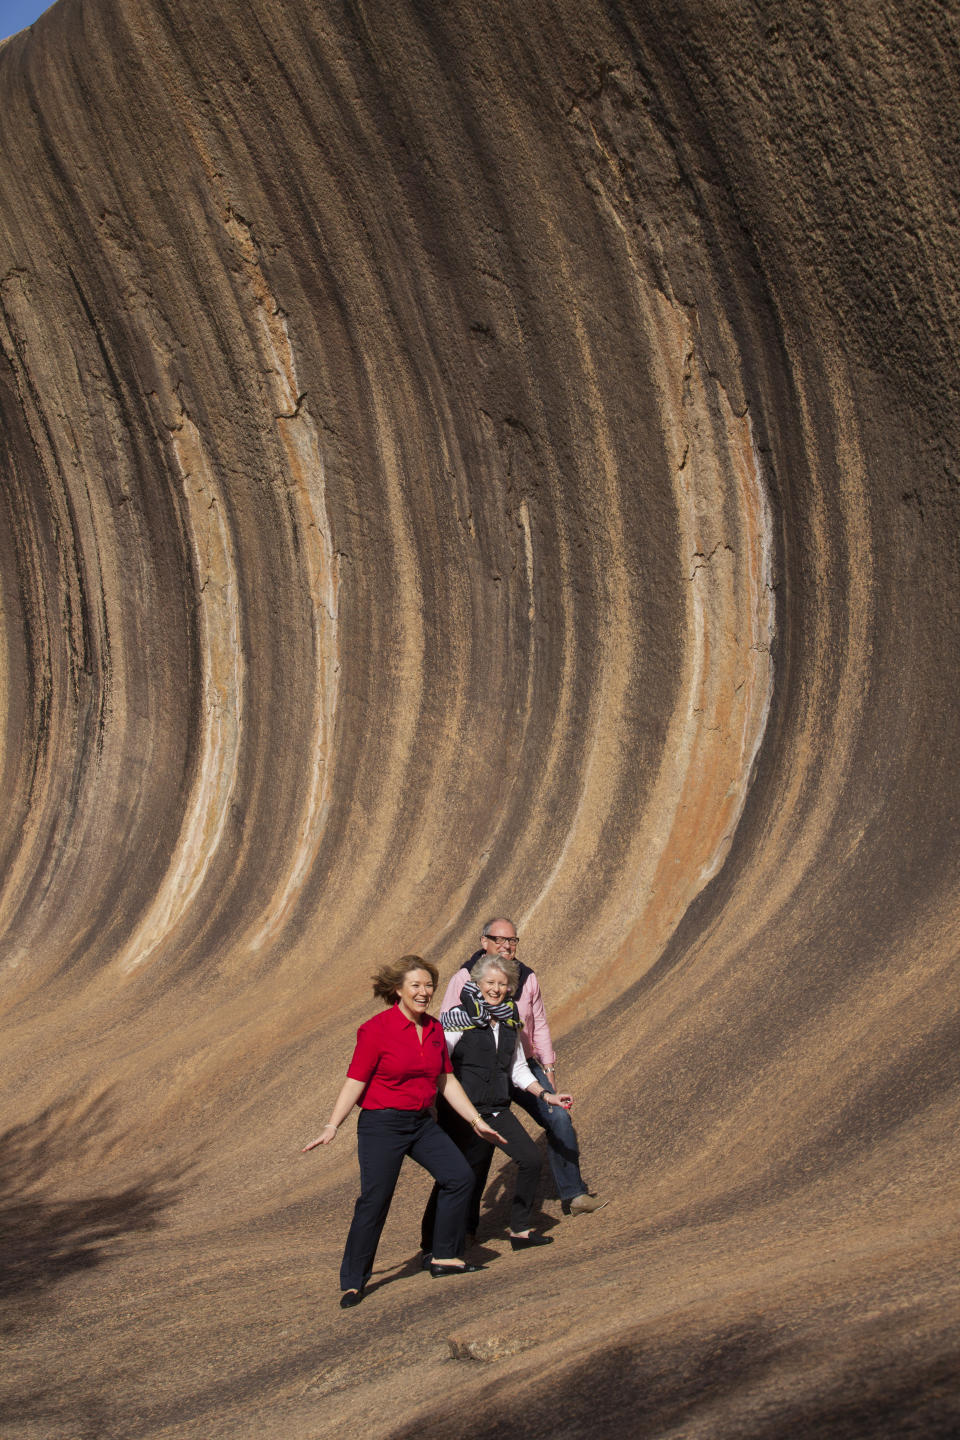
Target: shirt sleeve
(451,1037)
(365,1056)
(521,1074)
(451,995)
(536,1029)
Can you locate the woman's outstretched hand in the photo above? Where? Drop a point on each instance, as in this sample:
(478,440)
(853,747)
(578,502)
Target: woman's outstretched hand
(328,1133)
(488,1133)
(344,1103)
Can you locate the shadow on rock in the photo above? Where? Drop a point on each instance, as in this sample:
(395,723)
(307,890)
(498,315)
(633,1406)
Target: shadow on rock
(728,1385)
(498,1196)
(44,1237)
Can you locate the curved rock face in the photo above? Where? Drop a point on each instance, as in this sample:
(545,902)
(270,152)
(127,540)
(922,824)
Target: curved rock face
(463,459)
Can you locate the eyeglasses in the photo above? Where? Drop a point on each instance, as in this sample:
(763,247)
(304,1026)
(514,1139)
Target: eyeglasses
(503,939)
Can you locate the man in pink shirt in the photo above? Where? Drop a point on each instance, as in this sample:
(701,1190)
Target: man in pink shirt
(499,937)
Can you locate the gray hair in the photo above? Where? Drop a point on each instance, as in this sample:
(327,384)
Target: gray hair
(492,921)
(506,966)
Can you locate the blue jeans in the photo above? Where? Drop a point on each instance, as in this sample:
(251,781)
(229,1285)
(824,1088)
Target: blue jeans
(563,1151)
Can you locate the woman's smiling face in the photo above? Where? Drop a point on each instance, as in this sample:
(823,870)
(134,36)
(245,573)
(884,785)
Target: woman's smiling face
(416,992)
(494,987)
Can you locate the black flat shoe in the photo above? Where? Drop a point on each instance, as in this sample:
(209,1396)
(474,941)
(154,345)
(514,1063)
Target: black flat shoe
(437,1270)
(525,1242)
(349,1298)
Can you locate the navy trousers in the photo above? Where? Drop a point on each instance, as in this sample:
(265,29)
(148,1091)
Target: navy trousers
(479,1153)
(384,1138)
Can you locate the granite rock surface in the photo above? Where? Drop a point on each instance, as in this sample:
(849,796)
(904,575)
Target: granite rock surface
(458,458)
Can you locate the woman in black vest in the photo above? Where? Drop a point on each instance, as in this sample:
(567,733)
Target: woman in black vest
(483,1037)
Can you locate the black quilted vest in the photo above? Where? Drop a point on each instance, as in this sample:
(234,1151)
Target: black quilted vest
(483,1068)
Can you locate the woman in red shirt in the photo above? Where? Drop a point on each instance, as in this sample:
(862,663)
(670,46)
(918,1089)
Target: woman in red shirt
(399,1066)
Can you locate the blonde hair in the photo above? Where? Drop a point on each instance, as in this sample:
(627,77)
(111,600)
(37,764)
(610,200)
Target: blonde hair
(390,977)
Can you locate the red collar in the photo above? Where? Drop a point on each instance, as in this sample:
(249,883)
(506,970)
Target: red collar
(397,1018)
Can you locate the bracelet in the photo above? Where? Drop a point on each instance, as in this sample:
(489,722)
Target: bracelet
(475,1123)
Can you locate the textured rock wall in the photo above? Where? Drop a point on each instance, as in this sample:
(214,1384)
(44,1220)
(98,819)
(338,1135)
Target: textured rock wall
(471,457)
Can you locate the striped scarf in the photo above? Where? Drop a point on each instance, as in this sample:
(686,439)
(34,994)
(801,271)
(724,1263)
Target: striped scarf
(473,1012)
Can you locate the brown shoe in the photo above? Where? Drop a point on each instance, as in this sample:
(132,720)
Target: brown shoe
(585,1204)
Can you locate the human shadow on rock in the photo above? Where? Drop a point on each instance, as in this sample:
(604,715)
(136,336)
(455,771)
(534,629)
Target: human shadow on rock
(498,1197)
(45,1235)
(406,1270)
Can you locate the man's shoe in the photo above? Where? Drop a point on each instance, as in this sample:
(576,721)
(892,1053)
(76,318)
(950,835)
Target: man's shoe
(349,1298)
(585,1204)
(426,1258)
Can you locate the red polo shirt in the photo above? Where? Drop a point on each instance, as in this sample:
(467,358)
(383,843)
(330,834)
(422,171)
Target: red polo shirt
(400,1071)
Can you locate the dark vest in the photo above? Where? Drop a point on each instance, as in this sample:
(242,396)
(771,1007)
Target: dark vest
(483,1068)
